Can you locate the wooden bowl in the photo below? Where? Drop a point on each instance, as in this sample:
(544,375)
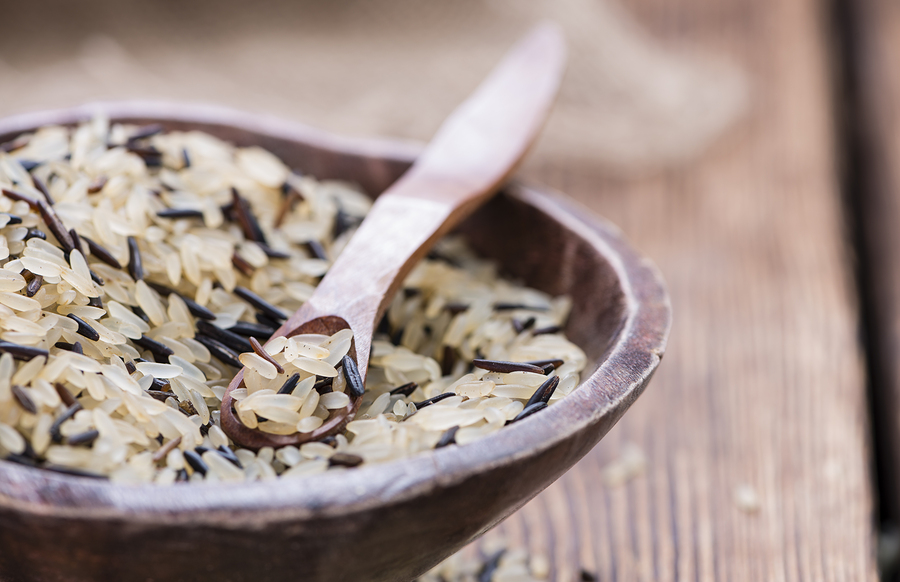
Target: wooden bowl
(379,522)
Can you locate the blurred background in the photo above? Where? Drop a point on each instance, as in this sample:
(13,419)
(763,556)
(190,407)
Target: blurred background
(730,140)
(388,67)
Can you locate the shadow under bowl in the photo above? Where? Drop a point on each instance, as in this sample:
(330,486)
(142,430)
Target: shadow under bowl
(374,523)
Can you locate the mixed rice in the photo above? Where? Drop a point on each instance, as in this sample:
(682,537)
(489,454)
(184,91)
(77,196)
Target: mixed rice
(140,269)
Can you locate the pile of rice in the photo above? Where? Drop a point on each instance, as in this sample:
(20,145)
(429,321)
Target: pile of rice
(135,265)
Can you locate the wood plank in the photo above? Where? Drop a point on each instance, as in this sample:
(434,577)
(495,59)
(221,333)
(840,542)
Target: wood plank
(874,29)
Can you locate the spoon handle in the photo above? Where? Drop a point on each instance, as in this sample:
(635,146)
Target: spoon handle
(474,151)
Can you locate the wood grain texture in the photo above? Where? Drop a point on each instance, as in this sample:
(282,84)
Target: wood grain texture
(875,43)
(763,383)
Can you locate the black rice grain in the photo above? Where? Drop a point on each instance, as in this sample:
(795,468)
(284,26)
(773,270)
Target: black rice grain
(324,386)
(448,438)
(448,360)
(260,303)
(101,253)
(220,351)
(289,384)
(35,233)
(174,213)
(544,391)
(232,340)
(195,308)
(432,400)
(34,286)
(405,390)
(506,367)
(344,460)
(153,346)
(490,567)
(528,411)
(229,455)
(55,435)
(135,265)
(42,188)
(21,352)
(547,330)
(84,438)
(67,397)
(355,385)
(24,400)
(262,353)
(196,463)
(84,328)
(248,329)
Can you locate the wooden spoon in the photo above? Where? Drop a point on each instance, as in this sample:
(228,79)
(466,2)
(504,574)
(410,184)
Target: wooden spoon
(471,155)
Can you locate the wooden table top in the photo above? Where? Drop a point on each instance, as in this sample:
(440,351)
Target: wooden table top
(750,455)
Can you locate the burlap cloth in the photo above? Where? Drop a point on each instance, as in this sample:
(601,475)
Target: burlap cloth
(386,67)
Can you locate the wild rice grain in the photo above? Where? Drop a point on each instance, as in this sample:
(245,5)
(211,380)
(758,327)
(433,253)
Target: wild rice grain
(145,131)
(85,438)
(241,264)
(351,374)
(448,438)
(289,384)
(83,328)
(247,329)
(176,213)
(547,330)
(220,351)
(506,367)
(529,410)
(344,460)
(135,266)
(42,188)
(231,340)
(20,352)
(405,390)
(34,286)
(486,574)
(97,185)
(64,394)
(56,226)
(260,303)
(100,252)
(195,308)
(164,450)
(153,346)
(544,391)
(433,399)
(246,219)
(24,400)
(262,353)
(35,233)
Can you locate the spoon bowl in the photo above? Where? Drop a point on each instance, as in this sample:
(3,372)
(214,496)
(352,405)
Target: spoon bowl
(337,419)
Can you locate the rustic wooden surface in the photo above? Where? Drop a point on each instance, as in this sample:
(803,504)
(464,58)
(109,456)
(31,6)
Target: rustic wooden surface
(874,37)
(763,383)
(762,391)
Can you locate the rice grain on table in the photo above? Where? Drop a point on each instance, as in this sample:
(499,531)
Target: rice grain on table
(139,269)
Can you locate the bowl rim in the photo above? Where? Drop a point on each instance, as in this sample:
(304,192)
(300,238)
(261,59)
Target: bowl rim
(614,385)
